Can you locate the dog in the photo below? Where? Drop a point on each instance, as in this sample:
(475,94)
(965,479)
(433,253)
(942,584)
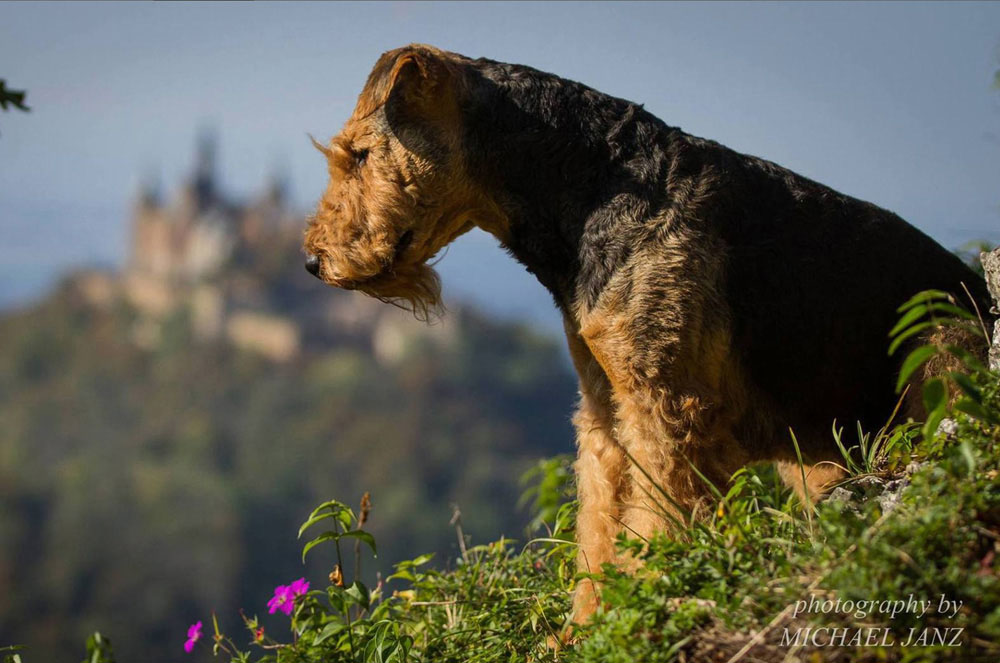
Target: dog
(712,301)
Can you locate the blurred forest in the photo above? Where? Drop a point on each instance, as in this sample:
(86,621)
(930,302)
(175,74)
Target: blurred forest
(145,485)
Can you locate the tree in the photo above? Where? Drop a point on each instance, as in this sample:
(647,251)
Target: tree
(13,98)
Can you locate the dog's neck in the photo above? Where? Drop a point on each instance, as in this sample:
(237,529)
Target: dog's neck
(559,159)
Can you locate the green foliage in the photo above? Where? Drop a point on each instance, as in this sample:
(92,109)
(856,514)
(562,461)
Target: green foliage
(703,590)
(341,515)
(10,654)
(698,595)
(140,486)
(499,603)
(99,649)
(879,452)
(930,533)
(549,491)
(12,98)
(935,309)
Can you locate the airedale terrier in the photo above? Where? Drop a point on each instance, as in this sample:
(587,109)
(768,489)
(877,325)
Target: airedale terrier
(712,300)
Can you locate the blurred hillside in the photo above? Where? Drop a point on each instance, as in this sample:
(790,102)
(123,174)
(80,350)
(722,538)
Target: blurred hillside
(163,431)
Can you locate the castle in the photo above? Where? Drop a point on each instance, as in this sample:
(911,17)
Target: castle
(194,236)
(234,271)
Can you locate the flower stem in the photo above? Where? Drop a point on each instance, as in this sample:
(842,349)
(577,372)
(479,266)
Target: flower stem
(347,610)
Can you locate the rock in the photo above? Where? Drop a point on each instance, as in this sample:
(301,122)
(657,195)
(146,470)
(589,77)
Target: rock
(889,499)
(839,494)
(870,483)
(947,427)
(991,265)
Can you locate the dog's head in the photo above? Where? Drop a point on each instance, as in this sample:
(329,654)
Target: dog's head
(398,190)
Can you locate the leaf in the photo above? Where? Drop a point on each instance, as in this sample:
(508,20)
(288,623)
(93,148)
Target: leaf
(381,632)
(334,509)
(968,456)
(931,425)
(968,386)
(923,296)
(362,535)
(912,331)
(935,395)
(807,504)
(708,482)
(970,360)
(973,330)
(331,505)
(913,361)
(975,410)
(326,536)
(936,402)
(13,97)
(423,559)
(313,520)
(852,467)
(951,309)
(331,629)
(910,317)
(360,594)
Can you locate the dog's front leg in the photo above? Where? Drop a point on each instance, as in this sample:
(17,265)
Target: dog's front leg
(673,419)
(600,467)
(676,459)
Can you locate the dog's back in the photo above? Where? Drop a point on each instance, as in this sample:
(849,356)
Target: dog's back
(813,281)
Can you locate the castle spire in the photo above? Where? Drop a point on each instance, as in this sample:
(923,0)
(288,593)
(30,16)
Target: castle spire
(204,175)
(277,186)
(149,189)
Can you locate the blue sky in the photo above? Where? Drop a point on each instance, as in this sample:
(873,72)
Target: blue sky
(887,102)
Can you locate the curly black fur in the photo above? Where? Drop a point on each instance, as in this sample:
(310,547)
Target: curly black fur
(813,277)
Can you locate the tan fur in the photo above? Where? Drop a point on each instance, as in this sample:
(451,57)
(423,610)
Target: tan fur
(601,468)
(368,207)
(668,415)
(672,408)
(819,478)
(662,390)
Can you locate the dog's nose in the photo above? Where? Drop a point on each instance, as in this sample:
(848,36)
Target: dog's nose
(312,265)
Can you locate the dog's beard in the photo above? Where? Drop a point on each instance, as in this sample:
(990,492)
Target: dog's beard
(414,288)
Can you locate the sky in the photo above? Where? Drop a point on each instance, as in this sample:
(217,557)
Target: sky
(891,103)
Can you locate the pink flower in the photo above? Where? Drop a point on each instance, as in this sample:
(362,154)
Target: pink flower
(280,601)
(299,587)
(284,596)
(194,634)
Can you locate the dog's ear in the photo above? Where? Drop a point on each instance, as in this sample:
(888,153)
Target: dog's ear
(418,76)
(416,80)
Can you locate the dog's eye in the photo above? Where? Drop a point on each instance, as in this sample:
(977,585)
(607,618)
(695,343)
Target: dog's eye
(360,157)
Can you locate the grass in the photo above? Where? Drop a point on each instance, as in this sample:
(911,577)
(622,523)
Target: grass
(733,586)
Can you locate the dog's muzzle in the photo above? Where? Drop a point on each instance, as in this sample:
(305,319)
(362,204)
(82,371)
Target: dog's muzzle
(312,264)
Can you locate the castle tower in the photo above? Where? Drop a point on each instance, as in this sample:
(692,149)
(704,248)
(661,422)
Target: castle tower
(267,214)
(277,188)
(151,245)
(203,186)
(150,195)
